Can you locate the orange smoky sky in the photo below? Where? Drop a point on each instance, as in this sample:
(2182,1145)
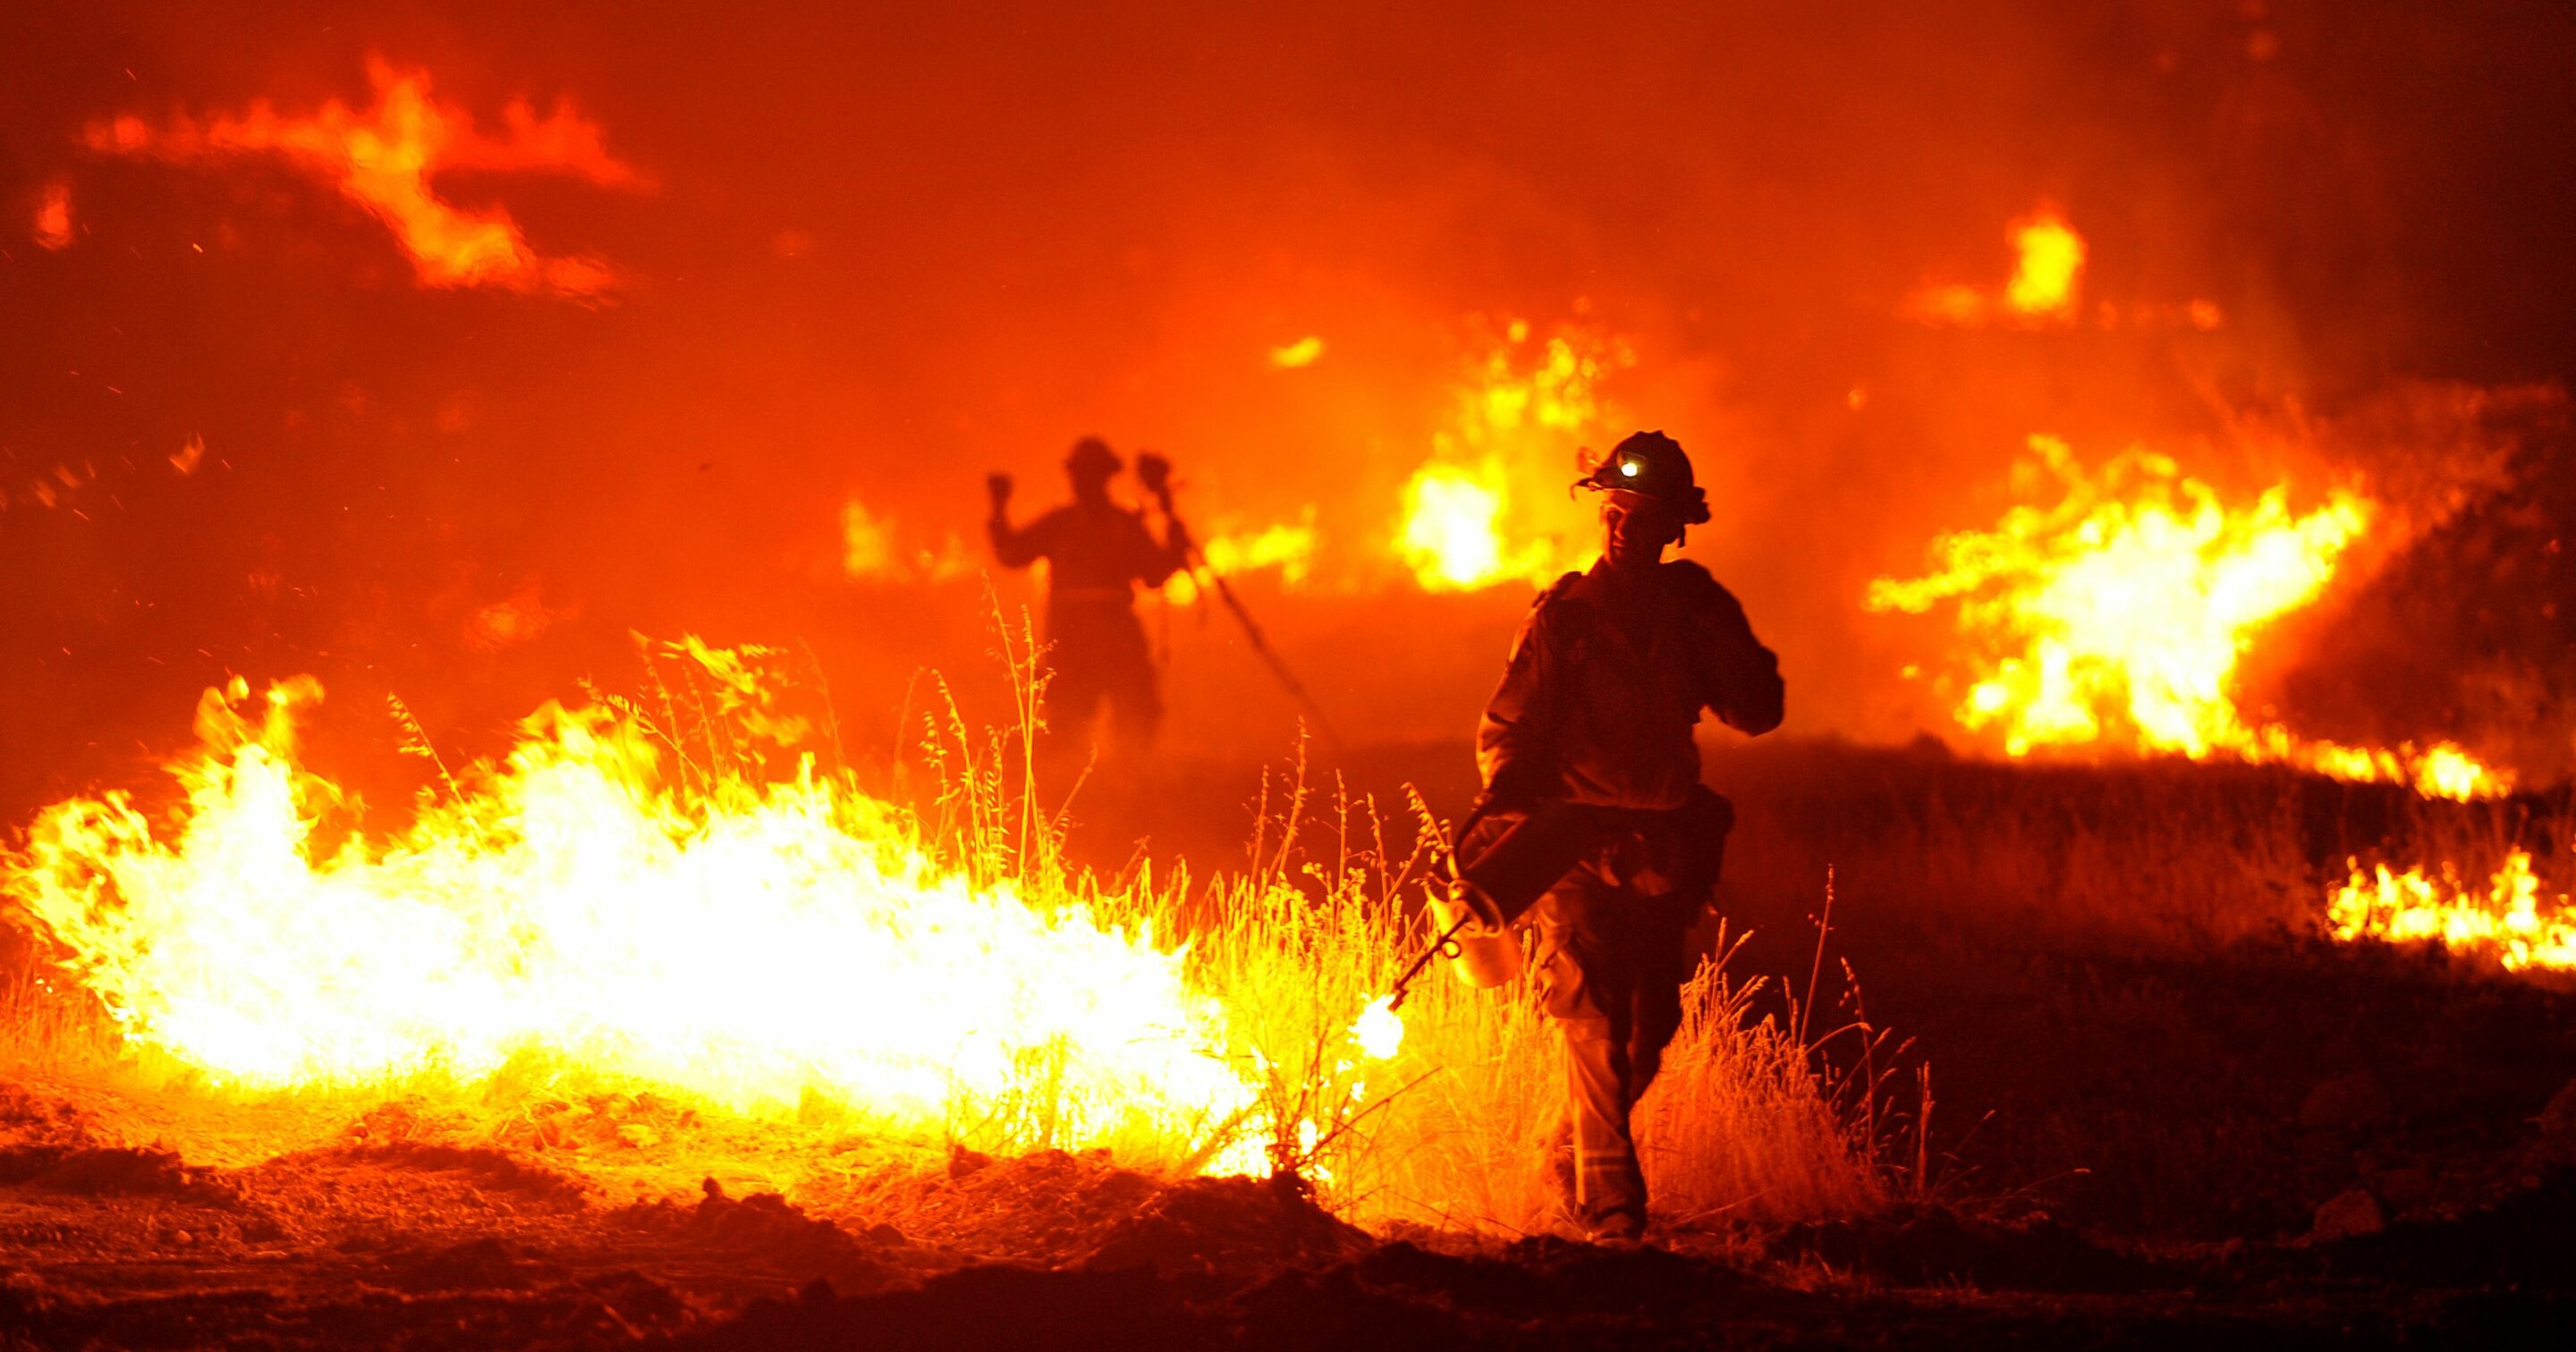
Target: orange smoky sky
(887,250)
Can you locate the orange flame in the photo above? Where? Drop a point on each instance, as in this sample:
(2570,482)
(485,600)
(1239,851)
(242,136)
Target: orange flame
(1489,506)
(385,159)
(2506,922)
(2121,613)
(53,224)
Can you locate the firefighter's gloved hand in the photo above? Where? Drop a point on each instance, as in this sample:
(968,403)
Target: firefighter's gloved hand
(998,487)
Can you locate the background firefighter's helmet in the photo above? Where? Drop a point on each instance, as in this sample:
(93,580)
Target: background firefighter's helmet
(1091,455)
(1650,465)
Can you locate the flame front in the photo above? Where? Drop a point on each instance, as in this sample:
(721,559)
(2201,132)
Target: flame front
(385,159)
(2506,922)
(753,945)
(2121,613)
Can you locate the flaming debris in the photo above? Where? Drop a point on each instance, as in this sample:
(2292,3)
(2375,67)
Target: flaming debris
(1489,507)
(386,158)
(2119,615)
(2506,923)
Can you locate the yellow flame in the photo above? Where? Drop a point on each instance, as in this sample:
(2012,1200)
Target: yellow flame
(2505,922)
(1286,548)
(1489,506)
(867,542)
(873,550)
(2049,273)
(385,159)
(754,945)
(1379,1030)
(2120,614)
(1297,355)
(2046,286)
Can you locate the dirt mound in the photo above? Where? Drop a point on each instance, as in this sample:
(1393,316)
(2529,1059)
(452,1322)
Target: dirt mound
(476,1265)
(31,1118)
(1228,1227)
(489,1170)
(1919,1245)
(986,1307)
(107,1171)
(770,1231)
(2526,1241)
(1049,1208)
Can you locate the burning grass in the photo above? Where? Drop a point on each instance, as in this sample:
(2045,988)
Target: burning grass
(675,938)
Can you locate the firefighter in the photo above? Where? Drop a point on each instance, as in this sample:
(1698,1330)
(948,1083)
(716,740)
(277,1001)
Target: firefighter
(1606,680)
(1096,552)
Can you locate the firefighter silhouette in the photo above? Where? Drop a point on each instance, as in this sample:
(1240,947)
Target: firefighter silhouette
(1593,719)
(1097,553)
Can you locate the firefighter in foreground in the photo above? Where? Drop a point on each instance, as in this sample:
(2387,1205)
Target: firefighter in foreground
(1097,552)
(1592,725)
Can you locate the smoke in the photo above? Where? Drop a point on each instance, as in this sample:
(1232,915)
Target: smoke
(889,253)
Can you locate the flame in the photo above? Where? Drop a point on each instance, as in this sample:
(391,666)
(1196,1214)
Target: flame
(2046,286)
(867,542)
(754,945)
(1379,1030)
(2505,922)
(2121,613)
(385,158)
(52,227)
(873,550)
(1286,548)
(1298,355)
(1489,506)
(2050,273)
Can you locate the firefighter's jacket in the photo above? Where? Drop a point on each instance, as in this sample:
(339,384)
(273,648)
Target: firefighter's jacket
(1605,684)
(1096,553)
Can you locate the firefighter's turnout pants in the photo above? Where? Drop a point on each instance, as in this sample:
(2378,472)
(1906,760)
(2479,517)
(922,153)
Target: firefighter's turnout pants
(1612,956)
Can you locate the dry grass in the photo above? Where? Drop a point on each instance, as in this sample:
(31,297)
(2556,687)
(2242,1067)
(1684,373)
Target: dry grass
(1750,1121)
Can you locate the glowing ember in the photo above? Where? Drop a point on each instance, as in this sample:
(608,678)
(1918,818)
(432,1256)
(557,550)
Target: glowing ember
(53,224)
(1490,506)
(2119,615)
(753,944)
(2505,922)
(385,159)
